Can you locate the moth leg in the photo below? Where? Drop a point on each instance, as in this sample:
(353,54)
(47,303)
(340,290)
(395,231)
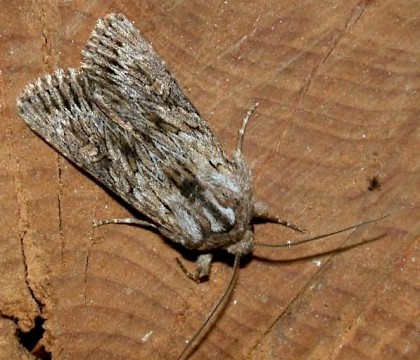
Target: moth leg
(127,221)
(241,132)
(202,271)
(261,212)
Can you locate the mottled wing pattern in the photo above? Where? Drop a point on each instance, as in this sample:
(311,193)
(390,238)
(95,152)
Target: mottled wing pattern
(124,119)
(60,108)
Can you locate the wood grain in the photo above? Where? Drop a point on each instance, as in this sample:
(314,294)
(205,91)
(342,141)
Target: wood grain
(338,86)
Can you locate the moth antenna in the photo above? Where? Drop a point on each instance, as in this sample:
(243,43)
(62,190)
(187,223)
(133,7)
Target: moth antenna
(212,317)
(241,132)
(304,241)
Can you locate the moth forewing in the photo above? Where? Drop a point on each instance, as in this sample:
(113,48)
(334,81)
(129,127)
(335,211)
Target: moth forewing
(207,194)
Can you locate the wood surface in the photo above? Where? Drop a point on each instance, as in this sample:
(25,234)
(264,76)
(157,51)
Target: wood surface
(334,141)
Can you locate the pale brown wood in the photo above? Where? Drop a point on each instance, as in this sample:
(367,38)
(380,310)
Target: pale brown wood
(338,87)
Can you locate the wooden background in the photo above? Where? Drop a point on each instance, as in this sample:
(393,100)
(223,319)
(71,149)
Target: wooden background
(338,82)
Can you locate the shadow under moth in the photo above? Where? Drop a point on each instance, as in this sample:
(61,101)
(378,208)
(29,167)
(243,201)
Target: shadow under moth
(123,118)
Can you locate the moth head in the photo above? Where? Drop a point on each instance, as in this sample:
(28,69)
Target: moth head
(244,246)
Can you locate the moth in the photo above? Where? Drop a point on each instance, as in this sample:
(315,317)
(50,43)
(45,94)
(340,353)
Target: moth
(123,118)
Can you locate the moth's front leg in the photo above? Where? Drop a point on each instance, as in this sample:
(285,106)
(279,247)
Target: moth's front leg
(202,271)
(261,212)
(126,221)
